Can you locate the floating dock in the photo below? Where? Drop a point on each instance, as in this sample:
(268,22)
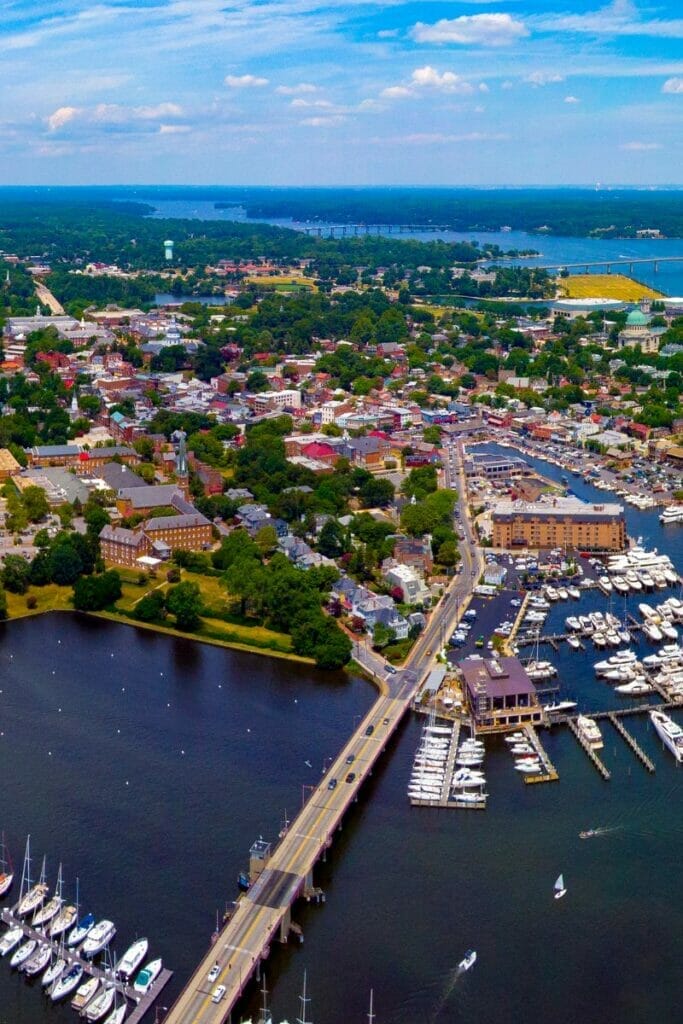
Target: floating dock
(141,1004)
(632,742)
(549,773)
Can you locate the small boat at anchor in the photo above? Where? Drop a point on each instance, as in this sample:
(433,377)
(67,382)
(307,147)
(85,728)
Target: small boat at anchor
(559,888)
(6,870)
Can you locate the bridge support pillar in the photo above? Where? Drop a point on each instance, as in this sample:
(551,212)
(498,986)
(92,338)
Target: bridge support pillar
(285,925)
(656,266)
(308,881)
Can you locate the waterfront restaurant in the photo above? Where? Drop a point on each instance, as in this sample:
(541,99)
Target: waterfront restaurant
(499,694)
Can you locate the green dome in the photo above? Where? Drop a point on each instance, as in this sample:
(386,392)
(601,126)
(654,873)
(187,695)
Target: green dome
(636,319)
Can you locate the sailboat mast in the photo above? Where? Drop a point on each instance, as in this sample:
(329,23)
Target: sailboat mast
(304,1000)
(371,1014)
(26,870)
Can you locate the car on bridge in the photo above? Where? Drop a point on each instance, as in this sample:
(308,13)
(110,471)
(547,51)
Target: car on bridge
(351,758)
(351,777)
(332,784)
(214,972)
(369,731)
(218,993)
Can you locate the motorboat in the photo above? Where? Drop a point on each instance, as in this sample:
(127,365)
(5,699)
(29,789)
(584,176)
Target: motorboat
(24,951)
(636,688)
(558,707)
(648,612)
(620,585)
(522,748)
(633,581)
(54,971)
(468,961)
(647,580)
(81,931)
(65,985)
(528,767)
(38,961)
(671,514)
(552,594)
(670,576)
(469,798)
(669,631)
(563,593)
(616,660)
(612,638)
(515,737)
(147,976)
(572,622)
(599,640)
(653,632)
(10,939)
(574,593)
(469,780)
(574,643)
(669,732)
(589,731)
(605,583)
(100,936)
(586,624)
(101,1004)
(85,993)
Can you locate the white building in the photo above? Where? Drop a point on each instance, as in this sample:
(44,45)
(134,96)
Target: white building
(410,583)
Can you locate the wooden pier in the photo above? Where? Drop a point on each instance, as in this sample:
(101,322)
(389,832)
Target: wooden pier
(450,765)
(549,773)
(142,1004)
(606,774)
(632,742)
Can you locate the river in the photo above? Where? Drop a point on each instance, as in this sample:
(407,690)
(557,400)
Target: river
(552,249)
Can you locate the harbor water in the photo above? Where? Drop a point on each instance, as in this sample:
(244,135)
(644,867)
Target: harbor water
(158,836)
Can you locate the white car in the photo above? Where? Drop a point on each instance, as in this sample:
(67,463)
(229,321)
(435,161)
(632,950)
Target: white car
(214,972)
(218,994)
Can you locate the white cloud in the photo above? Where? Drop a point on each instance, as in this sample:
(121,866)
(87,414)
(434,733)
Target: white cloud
(640,147)
(429,79)
(620,18)
(296,90)
(310,103)
(245,81)
(572,99)
(62,116)
(388,33)
(153,113)
(673,85)
(472,29)
(439,138)
(543,77)
(174,129)
(323,122)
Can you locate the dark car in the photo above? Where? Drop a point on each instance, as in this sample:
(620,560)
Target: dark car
(350,777)
(351,758)
(369,731)
(332,784)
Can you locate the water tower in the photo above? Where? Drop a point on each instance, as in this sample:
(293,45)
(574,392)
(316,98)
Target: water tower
(168,249)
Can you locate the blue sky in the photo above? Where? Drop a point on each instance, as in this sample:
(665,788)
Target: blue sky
(306,92)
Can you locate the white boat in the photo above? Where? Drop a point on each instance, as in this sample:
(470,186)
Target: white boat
(54,971)
(522,748)
(47,912)
(620,585)
(669,631)
(590,732)
(558,707)
(470,798)
(469,960)
(617,660)
(599,640)
(572,622)
(132,958)
(563,593)
(85,993)
(22,954)
(559,888)
(33,896)
(63,921)
(670,576)
(586,624)
(38,961)
(647,580)
(100,936)
(117,1016)
(653,632)
(612,638)
(636,688)
(515,737)
(101,1004)
(669,732)
(605,583)
(574,593)
(6,870)
(671,514)
(633,581)
(528,767)
(65,985)
(10,939)
(147,976)
(81,931)
(551,593)
(648,612)
(574,643)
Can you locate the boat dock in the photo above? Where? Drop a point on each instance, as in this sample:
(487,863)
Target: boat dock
(549,773)
(632,742)
(142,1004)
(604,771)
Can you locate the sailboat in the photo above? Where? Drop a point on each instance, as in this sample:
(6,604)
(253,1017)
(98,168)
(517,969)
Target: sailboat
(6,870)
(50,909)
(66,917)
(31,896)
(559,888)
(304,1000)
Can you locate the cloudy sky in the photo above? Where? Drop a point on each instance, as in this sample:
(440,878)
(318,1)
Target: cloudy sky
(341,91)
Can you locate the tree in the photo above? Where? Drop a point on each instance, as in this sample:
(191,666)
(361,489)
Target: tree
(66,563)
(376,493)
(185,602)
(266,540)
(447,553)
(15,574)
(3,604)
(92,593)
(35,504)
(333,648)
(151,607)
(382,636)
(332,540)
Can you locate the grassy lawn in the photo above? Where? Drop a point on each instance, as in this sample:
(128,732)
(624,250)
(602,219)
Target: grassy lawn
(285,282)
(605,286)
(49,599)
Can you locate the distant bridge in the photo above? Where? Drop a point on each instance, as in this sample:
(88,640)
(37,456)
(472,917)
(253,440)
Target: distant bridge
(608,264)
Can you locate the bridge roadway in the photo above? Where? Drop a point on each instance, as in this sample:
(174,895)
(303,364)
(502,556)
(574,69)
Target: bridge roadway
(263,912)
(610,263)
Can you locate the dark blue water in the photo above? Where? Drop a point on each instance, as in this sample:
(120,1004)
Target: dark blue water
(149,765)
(552,249)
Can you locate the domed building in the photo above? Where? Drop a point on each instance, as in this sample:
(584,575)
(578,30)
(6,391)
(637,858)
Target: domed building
(637,332)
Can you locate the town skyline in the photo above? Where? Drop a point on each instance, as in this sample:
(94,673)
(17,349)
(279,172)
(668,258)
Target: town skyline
(318,93)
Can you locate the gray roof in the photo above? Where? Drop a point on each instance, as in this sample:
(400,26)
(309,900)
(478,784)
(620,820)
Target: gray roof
(121,535)
(119,477)
(49,451)
(176,522)
(149,496)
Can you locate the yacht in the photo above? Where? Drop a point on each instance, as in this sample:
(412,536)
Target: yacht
(132,958)
(574,643)
(620,585)
(590,732)
(563,594)
(605,583)
(470,798)
(47,911)
(636,688)
(633,581)
(670,576)
(65,985)
(32,900)
(85,993)
(63,921)
(101,1004)
(647,580)
(652,632)
(586,624)
(571,622)
(82,929)
(599,640)
(10,939)
(669,631)
(528,767)
(147,976)
(22,954)
(515,737)
(671,514)
(648,612)
(574,593)
(551,593)
(100,936)
(54,971)
(669,732)
(612,638)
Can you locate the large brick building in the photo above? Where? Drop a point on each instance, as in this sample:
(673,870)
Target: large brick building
(565,523)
